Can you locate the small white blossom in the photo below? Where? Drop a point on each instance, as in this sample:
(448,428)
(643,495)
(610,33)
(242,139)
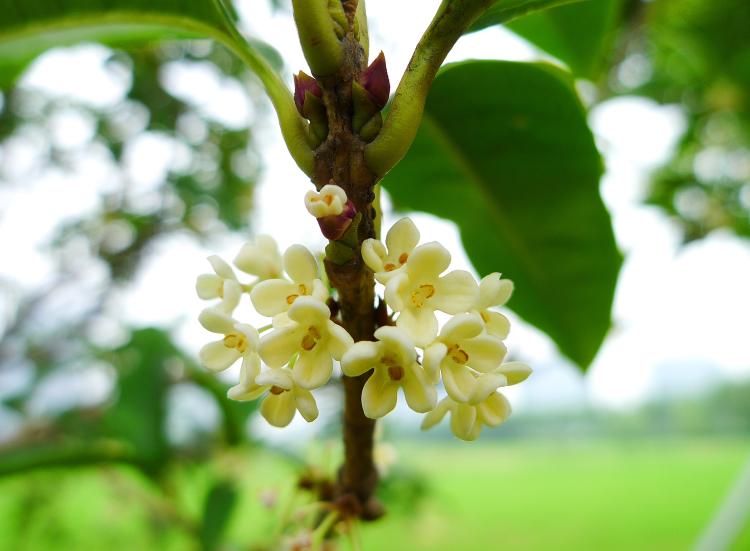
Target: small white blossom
(240,341)
(389,259)
(311,334)
(420,290)
(394,360)
(284,398)
(274,296)
(462,352)
(467,420)
(221,284)
(260,257)
(329,201)
(494,291)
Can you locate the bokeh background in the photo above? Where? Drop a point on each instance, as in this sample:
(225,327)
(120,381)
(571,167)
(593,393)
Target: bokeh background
(122,169)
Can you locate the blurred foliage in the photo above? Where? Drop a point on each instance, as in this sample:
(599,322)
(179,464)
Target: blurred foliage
(695,54)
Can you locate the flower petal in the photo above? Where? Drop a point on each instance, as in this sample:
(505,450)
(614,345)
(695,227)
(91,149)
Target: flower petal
(485,352)
(260,257)
(208,286)
(373,253)
(420,323)
(313,368)
(217,357)
(242,393)
(419,393)
(232,292)
(427,262)
(216,321)
(361,357)
(494,410)
(486,384)
(300,264)
(281,378)
(221,268)
(339,341)
(437,414)
(273,296)
(278,409)
(456,292)
(277,347)
(379,395)
(402,238)
(319,290)
(463,419)
(306,404)
(493,291)
(460,327)
(395,288)
(496,323)
(309,311)
(397,341)
(433,357)
(251,334)
(515,372)
(459,381)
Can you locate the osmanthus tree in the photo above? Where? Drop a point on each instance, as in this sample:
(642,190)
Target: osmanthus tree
(500,148)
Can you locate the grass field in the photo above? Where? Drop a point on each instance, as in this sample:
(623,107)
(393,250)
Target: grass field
(486,496)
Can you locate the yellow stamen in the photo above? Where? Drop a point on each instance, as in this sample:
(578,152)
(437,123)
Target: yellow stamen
(277,390)
(403,258)
(458,355)
(234,340)
(310,339)
(390,267)
(291,298)
(420,295)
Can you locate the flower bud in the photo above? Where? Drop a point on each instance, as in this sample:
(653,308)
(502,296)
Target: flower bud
(304,84)
(375,80)
(333,227)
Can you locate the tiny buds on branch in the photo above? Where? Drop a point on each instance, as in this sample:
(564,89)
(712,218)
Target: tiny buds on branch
(332,209)
(304,83)
(375,80)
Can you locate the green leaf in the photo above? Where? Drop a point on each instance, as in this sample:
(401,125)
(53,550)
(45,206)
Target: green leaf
(28,27)
(217,511)
(504,151)
(504,11)
(578,34)
(139,412)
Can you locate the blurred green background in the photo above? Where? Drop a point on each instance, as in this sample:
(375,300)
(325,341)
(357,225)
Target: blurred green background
(112,437)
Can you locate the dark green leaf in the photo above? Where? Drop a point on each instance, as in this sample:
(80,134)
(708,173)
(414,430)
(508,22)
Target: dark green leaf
(504,151)
(577,34)
(217,511)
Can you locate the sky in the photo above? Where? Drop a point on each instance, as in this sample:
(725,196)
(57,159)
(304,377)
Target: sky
(680,312)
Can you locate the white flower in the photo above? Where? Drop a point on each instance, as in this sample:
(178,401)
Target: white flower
(260,257)
(311,334)
(274,296)
(494,291)
(221,284)
(462,352)
(387,260)
(240,341)
(394,360)
(420,290)
(467,420)
(329,201)
(284,398)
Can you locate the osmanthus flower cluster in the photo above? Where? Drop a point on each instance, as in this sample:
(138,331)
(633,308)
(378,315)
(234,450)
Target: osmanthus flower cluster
(411,353)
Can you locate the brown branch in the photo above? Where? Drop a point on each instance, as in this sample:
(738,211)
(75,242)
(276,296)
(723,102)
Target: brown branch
(340,158)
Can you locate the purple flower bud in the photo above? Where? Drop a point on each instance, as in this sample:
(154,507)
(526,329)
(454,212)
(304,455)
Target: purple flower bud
(375,81)
(334,227)
(304,83)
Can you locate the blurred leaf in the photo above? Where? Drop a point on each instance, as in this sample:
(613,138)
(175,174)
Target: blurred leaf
(30,27)
(504,11)
(217,511)
(138,415)
(577,34)
(504,151)
(63,454)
